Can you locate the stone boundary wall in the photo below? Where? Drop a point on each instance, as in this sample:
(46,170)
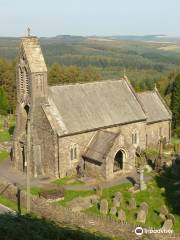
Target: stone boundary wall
(62,215)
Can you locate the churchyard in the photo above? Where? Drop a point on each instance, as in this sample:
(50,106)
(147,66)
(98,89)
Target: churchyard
(148,208)
(153,207)
(6,131)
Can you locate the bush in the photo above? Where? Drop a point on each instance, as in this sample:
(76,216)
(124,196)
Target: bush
(176,132)
(151,154)
(4,105)
(169,147)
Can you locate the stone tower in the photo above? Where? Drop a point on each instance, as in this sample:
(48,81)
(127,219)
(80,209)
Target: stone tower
(31,78)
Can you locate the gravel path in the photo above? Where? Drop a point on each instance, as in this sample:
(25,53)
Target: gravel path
(7,173)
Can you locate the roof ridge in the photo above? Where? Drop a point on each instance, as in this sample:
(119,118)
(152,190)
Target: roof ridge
(147,91)
(87,83)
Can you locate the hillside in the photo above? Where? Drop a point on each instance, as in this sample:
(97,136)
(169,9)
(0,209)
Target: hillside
(144,61)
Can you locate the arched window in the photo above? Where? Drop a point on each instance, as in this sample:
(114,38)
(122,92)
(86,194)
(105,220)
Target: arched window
(135,137)
(21,84)
(74,152)
(26,82)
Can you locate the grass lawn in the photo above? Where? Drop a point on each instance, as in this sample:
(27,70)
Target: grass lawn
(3,155)
(36,190)
(70,194)
(8,203)
(5,135)
(153,196)
(68,181)
(175,141)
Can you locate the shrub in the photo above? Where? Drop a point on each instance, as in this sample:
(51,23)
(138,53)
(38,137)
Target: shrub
(151,154)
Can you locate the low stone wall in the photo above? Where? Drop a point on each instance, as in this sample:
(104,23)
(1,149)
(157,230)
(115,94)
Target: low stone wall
(62,215)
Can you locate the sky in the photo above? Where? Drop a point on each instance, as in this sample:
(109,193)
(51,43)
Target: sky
(89,17)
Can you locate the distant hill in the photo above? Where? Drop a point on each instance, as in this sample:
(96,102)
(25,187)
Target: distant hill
(150,38)
(145,58)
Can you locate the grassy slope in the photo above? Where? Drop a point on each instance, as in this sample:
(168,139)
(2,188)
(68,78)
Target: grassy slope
(68,181)
(153,196)
(7,202)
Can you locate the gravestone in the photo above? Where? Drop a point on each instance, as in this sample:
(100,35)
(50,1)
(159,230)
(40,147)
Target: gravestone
(122,215)
(116,202)
(132,203)
(162,216)
(163,212)
(118,195)
(99,190)
(168,224)
(144,206)
(104,206)
(5,124)
(113,211)
(171,216)
(141,216)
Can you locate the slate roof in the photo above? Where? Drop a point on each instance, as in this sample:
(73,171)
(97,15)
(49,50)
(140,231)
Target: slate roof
(83,107)
(100,145)
(154,106)
(33,54)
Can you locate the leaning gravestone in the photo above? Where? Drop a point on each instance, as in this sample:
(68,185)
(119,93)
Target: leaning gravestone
(104,206)
(132,203)
(144,206)
(116,202)
(118,195)
(141,216)
(168,224)
(122,215)
(99,190)
(171,216)
(164,211)
(113,211)
(162,216)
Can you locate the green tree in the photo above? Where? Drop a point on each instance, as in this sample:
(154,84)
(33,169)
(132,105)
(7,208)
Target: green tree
(4,105)
(175,102)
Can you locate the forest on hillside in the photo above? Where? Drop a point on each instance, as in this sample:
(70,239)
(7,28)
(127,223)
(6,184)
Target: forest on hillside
(79,59)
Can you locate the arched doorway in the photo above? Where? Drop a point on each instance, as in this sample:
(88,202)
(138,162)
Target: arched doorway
(118,161)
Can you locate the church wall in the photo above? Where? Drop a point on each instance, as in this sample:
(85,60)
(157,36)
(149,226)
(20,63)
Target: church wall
(68,167)
(155,130)
(43,144)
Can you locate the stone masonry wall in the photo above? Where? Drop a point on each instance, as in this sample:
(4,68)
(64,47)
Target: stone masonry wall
(44,137)
(153,132)
(82,141)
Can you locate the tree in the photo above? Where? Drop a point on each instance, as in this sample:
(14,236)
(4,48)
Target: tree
(175,102)
(4,105)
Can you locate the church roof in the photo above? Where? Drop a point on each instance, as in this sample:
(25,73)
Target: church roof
(100,146)
(154,106)
(33,54)
(89,106)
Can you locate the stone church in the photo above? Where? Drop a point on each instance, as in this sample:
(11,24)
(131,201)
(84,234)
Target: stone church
(95,126)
